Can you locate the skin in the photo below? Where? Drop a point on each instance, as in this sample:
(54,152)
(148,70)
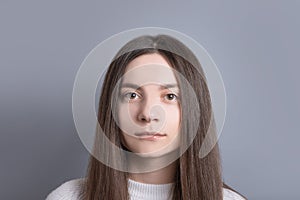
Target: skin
(150,102)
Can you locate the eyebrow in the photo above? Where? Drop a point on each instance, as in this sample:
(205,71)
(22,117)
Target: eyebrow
(134,86)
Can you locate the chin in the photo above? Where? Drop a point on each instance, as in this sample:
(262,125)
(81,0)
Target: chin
(150,155)
(154,153)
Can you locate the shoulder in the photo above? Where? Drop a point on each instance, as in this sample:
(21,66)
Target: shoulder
(69,190)
(231,195)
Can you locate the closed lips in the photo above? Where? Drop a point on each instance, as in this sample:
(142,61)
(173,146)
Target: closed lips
(145,134)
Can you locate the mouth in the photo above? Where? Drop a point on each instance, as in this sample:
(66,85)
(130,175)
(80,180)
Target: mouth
(150,136)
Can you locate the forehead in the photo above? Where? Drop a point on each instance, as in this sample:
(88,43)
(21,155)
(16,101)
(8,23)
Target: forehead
(153,58)
(149,68)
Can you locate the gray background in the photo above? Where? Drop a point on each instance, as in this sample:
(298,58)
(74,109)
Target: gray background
(255,44)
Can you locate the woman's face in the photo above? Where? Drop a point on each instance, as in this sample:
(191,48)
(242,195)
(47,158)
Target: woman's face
(149,109)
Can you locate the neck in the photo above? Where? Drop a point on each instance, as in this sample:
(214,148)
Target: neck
(161,176)
(153,170)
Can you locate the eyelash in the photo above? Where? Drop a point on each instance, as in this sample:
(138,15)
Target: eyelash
(176,97)
(128,96)
(129,93)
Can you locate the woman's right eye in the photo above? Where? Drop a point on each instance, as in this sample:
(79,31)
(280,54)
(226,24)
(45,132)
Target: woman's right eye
(131,95)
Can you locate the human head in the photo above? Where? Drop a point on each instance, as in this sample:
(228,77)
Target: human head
(196,178)
(196,106)
(149,106)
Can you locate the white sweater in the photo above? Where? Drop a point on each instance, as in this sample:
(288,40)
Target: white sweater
(137,191)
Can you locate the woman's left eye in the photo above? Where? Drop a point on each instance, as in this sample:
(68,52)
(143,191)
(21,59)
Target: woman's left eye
(171,97)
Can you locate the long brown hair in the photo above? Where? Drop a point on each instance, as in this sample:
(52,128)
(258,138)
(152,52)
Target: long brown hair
(196,178)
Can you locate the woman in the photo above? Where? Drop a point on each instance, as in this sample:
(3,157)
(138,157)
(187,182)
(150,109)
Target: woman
(155,107)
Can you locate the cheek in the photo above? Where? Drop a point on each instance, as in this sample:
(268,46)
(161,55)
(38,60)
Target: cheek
(173,116)
(175,113)
(126,115)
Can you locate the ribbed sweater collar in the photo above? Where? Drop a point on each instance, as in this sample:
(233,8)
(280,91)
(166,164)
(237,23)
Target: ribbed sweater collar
(147,191)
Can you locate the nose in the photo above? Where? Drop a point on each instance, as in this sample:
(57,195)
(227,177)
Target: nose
(149,111)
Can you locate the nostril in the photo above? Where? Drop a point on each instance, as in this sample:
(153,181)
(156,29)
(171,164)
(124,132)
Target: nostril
(143,118)
(153,113)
